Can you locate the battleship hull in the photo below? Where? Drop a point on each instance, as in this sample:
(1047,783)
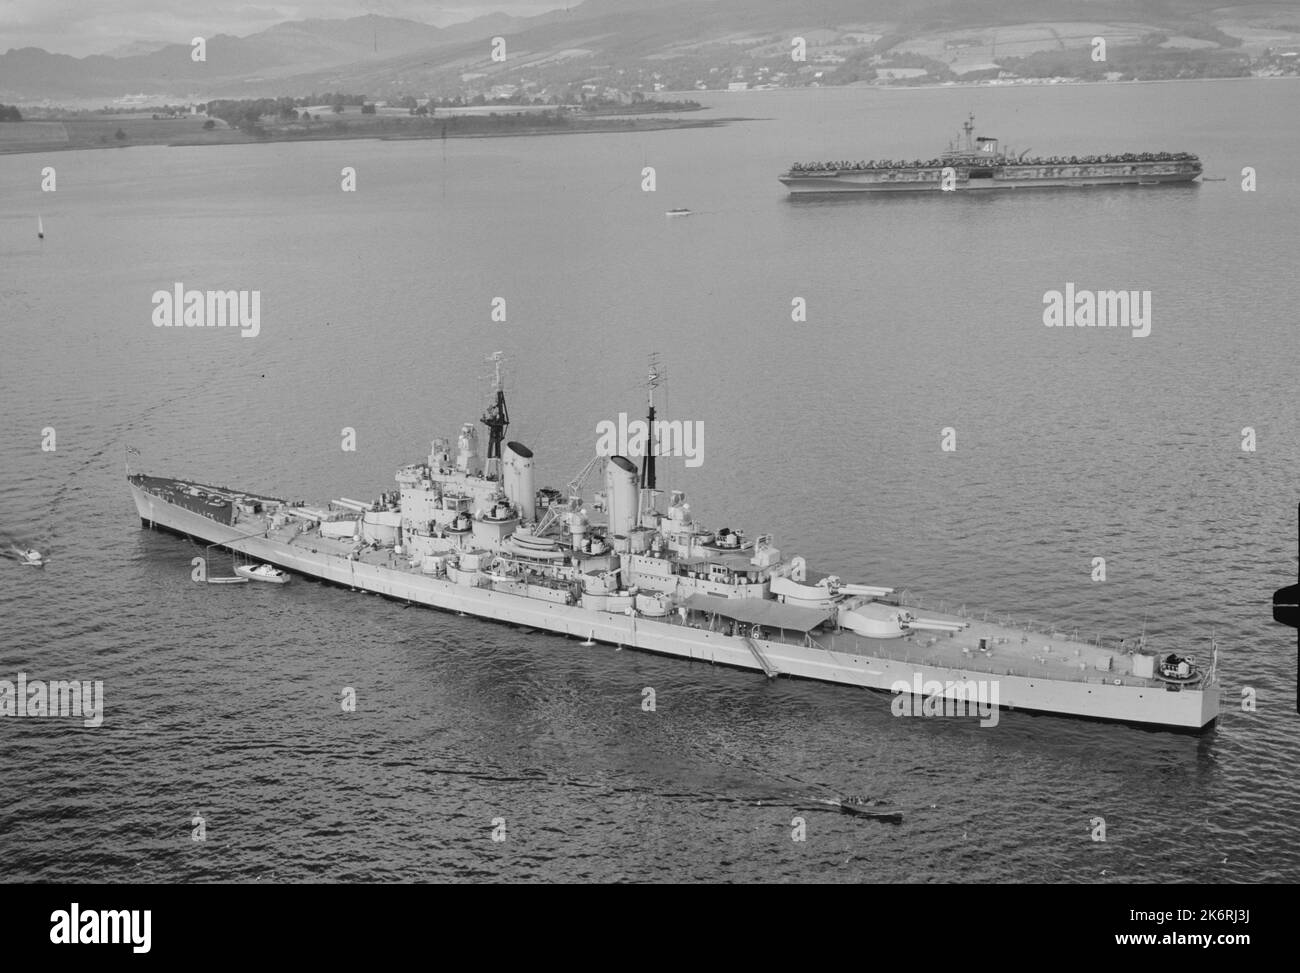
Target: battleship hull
(840,657)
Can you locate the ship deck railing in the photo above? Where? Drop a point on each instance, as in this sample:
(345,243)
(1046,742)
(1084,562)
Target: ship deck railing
(1114,645)
(977,667)
(912,653)
(893,165)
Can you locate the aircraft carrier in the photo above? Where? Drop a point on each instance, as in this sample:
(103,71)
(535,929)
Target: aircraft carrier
(977,163)
(466,530)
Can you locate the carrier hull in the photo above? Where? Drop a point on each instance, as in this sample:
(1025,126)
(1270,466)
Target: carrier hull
(851,182)
(977,164)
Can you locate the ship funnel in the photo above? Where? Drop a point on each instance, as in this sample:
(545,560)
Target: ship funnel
(518,476)
(621,494)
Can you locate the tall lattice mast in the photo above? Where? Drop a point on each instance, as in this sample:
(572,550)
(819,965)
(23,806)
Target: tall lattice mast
(497,419)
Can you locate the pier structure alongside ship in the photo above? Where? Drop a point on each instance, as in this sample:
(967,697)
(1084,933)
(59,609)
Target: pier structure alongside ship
(467,530)
(977,163)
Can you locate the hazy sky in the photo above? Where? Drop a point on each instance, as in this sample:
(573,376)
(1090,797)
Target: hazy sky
(80,27)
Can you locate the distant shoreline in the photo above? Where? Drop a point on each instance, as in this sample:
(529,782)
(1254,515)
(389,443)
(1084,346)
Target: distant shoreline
(945,85)
(230,136)
(651,125)
(99,132)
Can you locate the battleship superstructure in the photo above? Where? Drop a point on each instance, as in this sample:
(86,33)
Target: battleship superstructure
(976,162)
(467,530)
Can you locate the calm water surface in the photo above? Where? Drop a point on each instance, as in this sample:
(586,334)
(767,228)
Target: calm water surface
(923,312)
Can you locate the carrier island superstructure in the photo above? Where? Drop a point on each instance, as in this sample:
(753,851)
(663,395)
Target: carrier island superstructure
(467,530)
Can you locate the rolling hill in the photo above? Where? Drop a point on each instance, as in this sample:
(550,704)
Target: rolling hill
(637,39)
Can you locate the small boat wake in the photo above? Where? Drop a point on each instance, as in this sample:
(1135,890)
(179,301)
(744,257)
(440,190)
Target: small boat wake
(804,795)
(858,807)
(871,809)
(27,556)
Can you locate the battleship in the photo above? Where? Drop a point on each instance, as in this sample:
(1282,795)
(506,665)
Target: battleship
(466,530)
(978,163)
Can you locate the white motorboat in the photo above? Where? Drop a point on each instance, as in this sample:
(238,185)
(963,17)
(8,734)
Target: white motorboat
(262,572)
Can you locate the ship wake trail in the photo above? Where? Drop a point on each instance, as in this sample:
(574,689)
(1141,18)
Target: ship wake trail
(69,484)
(803,796)
(791,790)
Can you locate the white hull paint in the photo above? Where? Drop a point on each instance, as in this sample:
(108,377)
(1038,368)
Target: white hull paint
(863,665)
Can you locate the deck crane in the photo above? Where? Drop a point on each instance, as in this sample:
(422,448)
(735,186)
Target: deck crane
(554,512)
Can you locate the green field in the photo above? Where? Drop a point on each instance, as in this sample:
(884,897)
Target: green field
(97,132)
(100,131)
(36,133)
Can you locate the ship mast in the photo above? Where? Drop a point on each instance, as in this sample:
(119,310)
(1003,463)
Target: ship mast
(649,487)
(497,419)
